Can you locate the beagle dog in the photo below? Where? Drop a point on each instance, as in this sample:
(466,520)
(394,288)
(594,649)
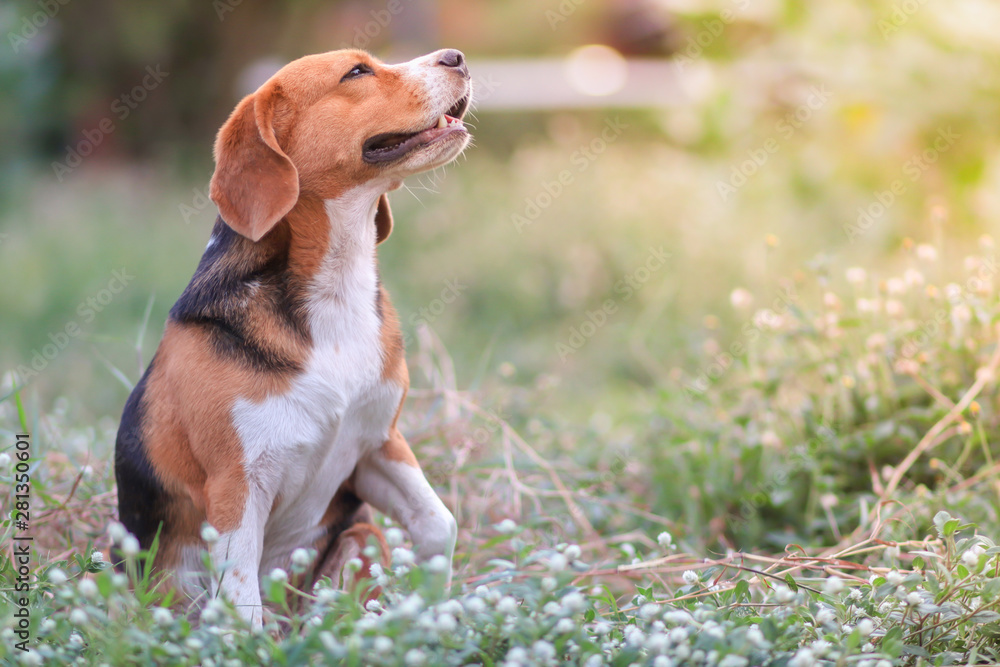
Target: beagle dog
(269,409)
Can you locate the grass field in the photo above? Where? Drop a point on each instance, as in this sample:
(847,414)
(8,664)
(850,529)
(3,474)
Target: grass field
(725,396)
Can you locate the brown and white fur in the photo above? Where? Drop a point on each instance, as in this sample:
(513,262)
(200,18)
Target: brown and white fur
(269,410)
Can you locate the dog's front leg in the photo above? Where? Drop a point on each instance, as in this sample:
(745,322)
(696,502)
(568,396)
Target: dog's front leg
(236,559)
(390,480)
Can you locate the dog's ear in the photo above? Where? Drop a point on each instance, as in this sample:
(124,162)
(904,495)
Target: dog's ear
(255,184)
(383,219)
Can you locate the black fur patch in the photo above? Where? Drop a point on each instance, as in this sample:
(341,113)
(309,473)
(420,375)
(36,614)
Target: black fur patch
(141,497)
(234,277)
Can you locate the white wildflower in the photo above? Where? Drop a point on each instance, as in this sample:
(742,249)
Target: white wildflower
(648,611)
(394,537)
(894,577)
(162,616)
(665,540)
(31,658)
(130,546)
(97,557)
(756,637)
(856,275)
(87,588)
(784,594)
(78,617)
(741,298)
(277,574)
(116,532)
(634,636)
(209,534)
(803,658)
(833,585)
(913,277)
(57,576)
(383,645)
(572,552)
(438,564)
(557,563)
(327,596)
(971,555)
(574,602)
(446,623)
(927,252)
(678,635)
(474,605)
(544,650)
(896,286)
(507,605)
(302,558)
(733,660)
(402,556)
(677,616)
(564,626)
(507,526)
(690,577)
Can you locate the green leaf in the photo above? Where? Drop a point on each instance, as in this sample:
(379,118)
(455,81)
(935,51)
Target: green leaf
(742,591)
(990,590)
(950,527)
(918,563)
(21,416)
(985,617)
(791,583)
(940,519)
(892,642)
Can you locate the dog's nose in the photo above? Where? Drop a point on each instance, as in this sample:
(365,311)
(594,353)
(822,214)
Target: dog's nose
(455,59)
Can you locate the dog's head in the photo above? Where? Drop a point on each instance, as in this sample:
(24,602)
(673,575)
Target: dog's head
(330,122)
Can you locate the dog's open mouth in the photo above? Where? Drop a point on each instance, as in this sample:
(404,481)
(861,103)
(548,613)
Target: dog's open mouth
(394,145)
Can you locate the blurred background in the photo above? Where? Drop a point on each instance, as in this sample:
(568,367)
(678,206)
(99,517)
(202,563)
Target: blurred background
(648,178)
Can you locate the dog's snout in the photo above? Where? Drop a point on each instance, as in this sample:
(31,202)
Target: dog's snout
(455,59)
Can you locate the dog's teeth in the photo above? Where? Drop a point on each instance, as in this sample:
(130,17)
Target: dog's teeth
(442,122)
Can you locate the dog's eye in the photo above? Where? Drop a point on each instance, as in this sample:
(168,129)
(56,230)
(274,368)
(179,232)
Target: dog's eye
(357,71)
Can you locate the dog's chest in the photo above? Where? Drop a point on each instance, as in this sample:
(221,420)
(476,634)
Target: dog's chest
(338,404)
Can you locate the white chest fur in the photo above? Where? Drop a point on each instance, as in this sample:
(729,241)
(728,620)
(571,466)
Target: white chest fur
(303,443)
